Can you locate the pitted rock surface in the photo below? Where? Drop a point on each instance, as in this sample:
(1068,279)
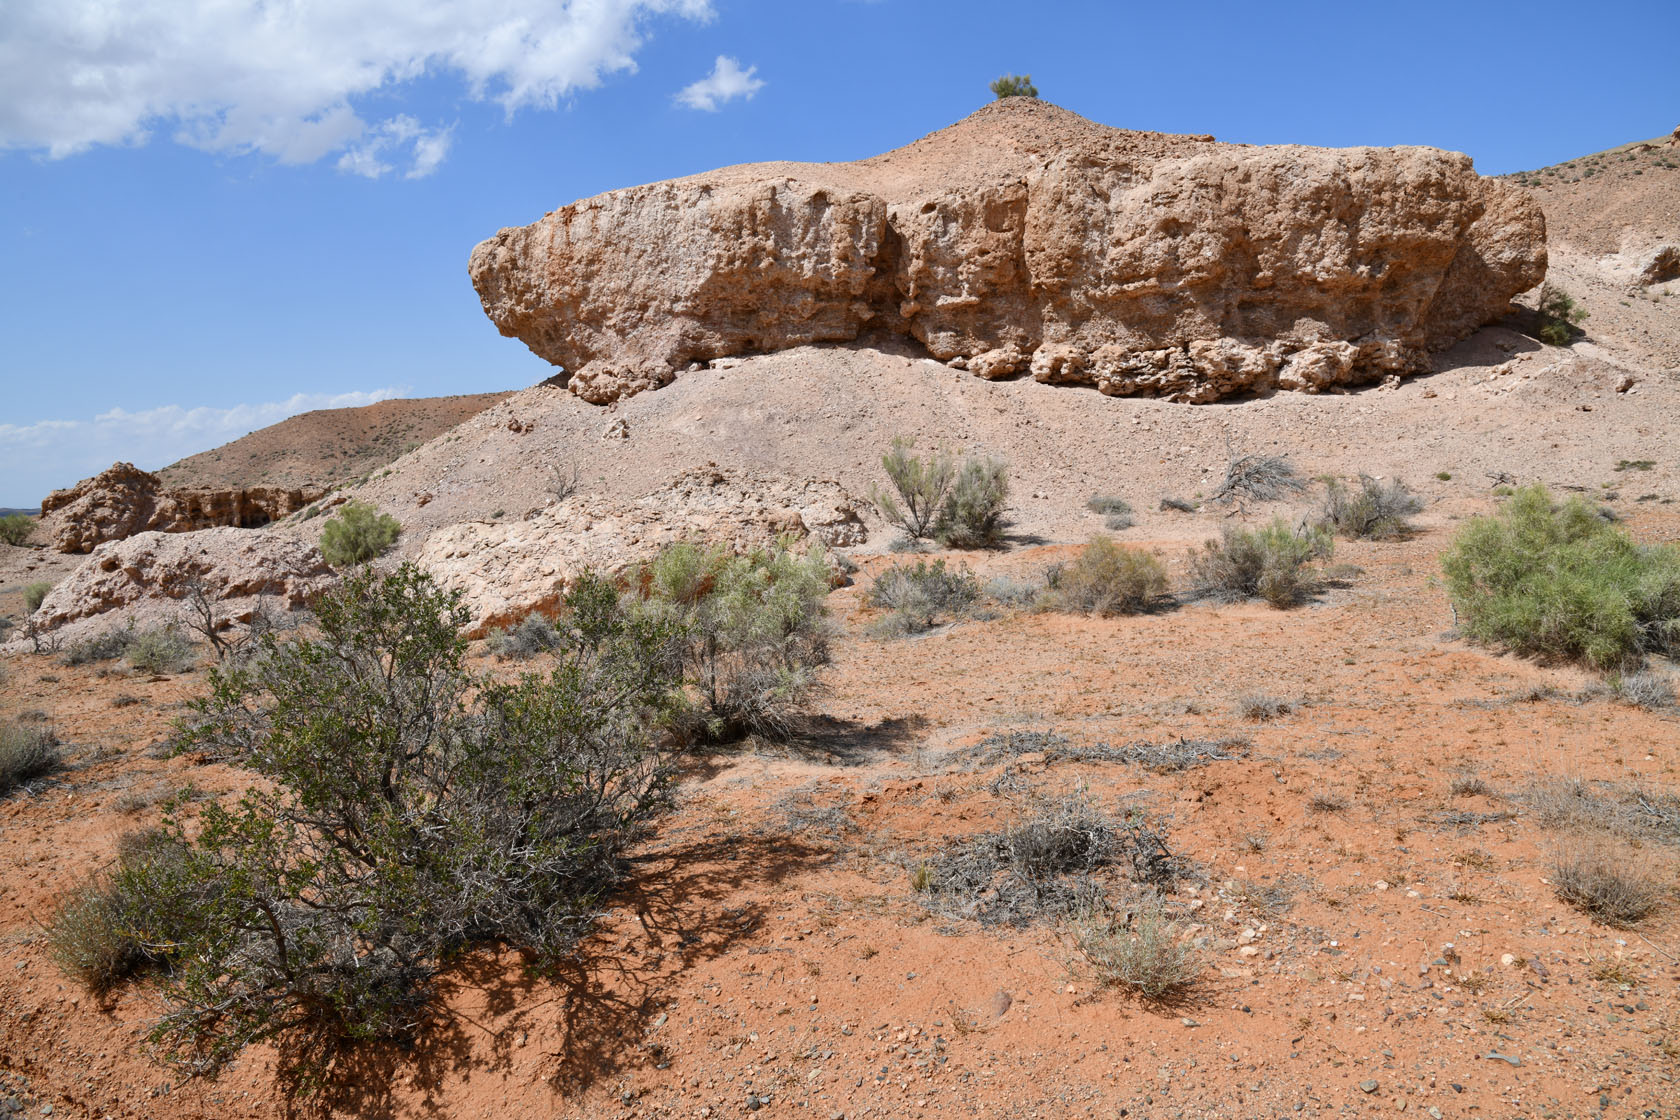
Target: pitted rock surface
(507,570)
(124,500)
(1026,239)
(144,579)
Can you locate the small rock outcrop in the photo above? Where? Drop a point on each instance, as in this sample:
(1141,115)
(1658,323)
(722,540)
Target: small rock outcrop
(125,500)
(1661,265)
(143,579)
(1026,239)
(509,569)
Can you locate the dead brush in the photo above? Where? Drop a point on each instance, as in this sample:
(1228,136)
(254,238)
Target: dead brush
(1262,478)
(1258,707)
(1614,882)
(1620,808)
(1171,757)
(1469,785)
(1051,863)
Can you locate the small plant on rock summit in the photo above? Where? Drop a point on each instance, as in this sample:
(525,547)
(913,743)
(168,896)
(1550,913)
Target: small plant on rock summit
(1012,85)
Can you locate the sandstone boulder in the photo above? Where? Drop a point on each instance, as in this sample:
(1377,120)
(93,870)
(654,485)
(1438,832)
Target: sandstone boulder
(1027,239)
(145,577)
(126,500)
(510,569)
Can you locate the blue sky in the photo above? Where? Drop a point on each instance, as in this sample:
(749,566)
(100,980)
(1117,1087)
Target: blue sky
(214,213)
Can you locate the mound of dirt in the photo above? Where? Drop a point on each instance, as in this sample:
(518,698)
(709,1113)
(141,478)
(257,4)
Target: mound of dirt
(1028,238)
(326,446)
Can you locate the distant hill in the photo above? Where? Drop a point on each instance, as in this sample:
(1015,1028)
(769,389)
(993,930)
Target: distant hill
(1622,198)
(31,511)
(327,445)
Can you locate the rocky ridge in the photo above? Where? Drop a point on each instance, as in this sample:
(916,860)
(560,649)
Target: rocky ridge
(124,500)
(1028,239)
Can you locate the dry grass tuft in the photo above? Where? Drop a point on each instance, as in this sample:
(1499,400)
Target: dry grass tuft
(1616,883)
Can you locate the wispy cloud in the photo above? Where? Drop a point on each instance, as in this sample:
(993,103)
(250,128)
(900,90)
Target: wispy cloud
(48,454)
(725,83)
(281,77)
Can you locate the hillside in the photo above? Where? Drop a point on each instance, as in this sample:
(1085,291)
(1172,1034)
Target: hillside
(1364,812)
(327,445)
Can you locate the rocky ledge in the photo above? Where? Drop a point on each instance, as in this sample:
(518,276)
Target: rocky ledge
(1026,239)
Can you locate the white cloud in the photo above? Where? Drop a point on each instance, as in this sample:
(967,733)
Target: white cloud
(726,82)
(281,77)
(428,146)
(46,455)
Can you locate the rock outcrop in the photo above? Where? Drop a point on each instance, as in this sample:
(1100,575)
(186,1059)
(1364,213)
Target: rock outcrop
(125,500)
(143,579)
(509,569)
(1660,265)
(1028,239)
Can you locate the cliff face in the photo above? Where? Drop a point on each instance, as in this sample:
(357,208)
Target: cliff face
(1027,239)
(125,500)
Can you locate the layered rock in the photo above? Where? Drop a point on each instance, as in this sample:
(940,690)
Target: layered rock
(143,579)
(1026,239)
(125,500)
(507,570)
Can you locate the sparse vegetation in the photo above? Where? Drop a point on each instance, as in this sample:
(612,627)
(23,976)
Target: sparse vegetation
(918,596)
(1258,707)
(919,488)
(1146,955)
(119,924)
(1272,563)
(972,513)
(534,634)
(753,627)
(357,534)
(1618,884)
(1376,511)
(1555,581)
(34,594)
(1560,316)
(1649,691)
(1047,865)
(1116,512)
(408,810)
(15,528)
(1013,85)
(26,753)
(1262,478)
(108,646)
(160,650)
(1109,579)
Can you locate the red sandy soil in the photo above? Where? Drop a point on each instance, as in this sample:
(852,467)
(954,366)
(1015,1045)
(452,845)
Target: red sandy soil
(792,964)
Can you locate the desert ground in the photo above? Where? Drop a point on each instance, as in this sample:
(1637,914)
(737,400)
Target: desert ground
(1363,807)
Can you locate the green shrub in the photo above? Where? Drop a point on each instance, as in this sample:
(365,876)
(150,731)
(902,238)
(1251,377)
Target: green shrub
(920,487)
(1555,581)
(15,528)
(1117,512)
(919,595)
(1011,85)
(1376,511)
(160,650)
(407,811)
(755,629)
(124,921)
(108,646)
(26,753)
(34,594)
(1271,563)
(1108,579)
(1560,316)
(358,534)
(972,513)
